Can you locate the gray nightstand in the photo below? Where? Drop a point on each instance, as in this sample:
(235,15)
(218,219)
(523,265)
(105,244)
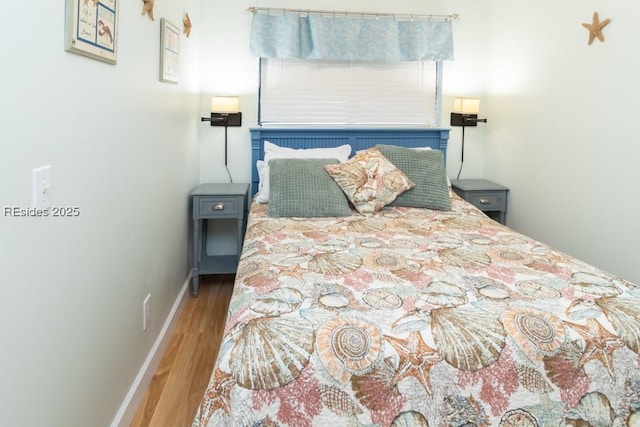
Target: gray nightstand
(489,197)
(215,202)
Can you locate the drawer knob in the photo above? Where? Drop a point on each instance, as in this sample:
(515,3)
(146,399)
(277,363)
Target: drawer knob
(485,201)
(218,207)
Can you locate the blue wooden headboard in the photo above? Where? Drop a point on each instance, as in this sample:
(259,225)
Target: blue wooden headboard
(359,139)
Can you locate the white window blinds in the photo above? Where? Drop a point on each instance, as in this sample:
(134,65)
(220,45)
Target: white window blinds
(348,93)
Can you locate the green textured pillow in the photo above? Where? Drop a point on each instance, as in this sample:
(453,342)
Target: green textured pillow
(427,171)
(302,188)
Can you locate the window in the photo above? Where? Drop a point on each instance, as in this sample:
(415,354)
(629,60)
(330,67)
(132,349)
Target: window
(349,93)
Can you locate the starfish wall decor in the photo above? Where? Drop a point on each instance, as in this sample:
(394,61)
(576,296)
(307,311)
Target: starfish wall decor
(595,28)
(186,25)
(147,8)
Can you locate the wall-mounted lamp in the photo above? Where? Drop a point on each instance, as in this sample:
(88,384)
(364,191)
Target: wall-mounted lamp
(465,113)
(224,112)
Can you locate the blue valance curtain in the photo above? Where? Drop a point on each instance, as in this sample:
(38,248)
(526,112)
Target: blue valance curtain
(350,38)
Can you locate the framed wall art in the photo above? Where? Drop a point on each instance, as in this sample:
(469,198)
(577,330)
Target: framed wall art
(169,51)
(91,29)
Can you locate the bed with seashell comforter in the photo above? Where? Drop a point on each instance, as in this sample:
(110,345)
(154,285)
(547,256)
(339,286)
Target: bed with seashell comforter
(423,318)
(420,317)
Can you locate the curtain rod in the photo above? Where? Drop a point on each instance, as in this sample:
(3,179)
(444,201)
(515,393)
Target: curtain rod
(334,13)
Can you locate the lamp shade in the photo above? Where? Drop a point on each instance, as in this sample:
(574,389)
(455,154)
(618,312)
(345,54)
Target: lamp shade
(225,104)
(466,105)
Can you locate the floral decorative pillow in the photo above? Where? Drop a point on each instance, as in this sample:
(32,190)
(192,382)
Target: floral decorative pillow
(369,180)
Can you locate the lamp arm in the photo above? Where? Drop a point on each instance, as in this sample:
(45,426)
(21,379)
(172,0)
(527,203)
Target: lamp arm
(211,119)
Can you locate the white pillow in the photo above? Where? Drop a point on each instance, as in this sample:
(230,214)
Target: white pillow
(273,151)
(262,195)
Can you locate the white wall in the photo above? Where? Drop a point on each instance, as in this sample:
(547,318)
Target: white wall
(124,149)
(562,132)
(464,77)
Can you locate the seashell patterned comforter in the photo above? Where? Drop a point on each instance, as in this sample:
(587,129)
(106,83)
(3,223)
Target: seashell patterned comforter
(412,317)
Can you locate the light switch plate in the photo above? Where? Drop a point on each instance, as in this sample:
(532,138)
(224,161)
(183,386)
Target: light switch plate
(42,187)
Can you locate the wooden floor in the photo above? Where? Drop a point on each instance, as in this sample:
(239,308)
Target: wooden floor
(177,386)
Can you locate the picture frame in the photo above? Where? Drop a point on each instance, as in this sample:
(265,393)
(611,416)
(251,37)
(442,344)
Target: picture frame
(91,29)
(169,51)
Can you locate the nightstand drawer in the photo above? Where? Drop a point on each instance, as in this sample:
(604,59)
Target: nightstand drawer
(489,201)
(211,207)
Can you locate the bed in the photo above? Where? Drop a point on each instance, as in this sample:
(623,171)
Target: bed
(414,316)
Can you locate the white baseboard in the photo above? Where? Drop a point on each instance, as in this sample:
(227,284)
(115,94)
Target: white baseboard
(140,385)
